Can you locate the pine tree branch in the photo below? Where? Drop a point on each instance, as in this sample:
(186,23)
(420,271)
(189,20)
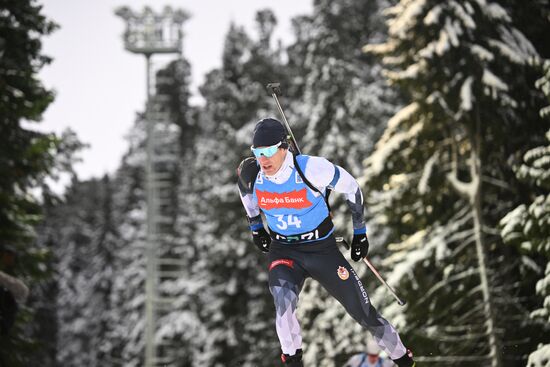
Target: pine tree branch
(445,282)
(460,328)
(467,234)
(462,246)
(496,182)
(465,189)
(452,359)
(461,338)
(491,231)
(467,315)
(460,301)
(507,287)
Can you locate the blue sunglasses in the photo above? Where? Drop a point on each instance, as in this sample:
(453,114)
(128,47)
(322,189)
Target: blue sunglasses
(267,152)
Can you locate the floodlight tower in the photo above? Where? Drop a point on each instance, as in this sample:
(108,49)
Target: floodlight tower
(150,33)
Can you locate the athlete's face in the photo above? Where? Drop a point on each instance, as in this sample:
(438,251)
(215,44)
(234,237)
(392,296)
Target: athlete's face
(271,165)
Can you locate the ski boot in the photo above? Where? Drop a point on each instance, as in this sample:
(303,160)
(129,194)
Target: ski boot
(293,361)
(406,360)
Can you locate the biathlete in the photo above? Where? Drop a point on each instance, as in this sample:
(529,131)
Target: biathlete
(290,191)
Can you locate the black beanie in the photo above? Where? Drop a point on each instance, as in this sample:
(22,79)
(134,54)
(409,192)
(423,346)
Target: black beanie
(268,132)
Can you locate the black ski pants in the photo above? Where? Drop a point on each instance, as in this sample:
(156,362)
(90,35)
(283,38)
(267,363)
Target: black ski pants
(290,265)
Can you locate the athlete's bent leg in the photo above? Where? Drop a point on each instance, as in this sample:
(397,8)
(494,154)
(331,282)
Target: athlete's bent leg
(286,279)
(334,273)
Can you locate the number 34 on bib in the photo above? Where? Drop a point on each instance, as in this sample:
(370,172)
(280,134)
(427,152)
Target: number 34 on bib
(285,221)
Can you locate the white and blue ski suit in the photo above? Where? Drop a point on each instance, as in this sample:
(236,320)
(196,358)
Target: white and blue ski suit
(303,245)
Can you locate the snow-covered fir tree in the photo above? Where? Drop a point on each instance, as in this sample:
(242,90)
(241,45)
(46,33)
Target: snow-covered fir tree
(81,234)
(180,328)
(29,159)
(236,307)
(167,113)
(125,345)
(467,149)
(340,105)
(528,225)
(100,236)
(442,171)
(343,100)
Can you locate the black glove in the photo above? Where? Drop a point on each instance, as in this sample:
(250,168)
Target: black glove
(261,239)
(359,246)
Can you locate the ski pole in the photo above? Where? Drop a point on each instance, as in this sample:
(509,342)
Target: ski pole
(275,89)
(400,302)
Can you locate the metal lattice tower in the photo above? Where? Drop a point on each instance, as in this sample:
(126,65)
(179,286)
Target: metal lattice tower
(149,33)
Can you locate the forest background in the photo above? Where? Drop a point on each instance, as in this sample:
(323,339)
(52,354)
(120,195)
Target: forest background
(439,109)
